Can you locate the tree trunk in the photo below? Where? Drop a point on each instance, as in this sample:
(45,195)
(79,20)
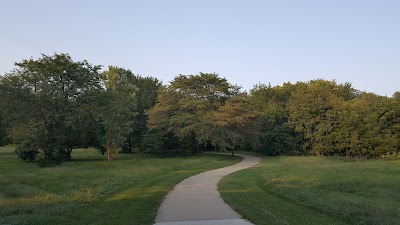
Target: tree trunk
(109,150)
(233,148)
(130,147)
(67,156)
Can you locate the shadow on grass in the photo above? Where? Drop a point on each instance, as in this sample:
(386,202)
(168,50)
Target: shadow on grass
(87,160)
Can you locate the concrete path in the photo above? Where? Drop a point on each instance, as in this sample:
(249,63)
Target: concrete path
(196,200)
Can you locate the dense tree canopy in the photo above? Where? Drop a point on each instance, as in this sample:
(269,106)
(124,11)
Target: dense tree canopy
(42,101)
(325,118)
(275,137)
(203,109)
(53,104)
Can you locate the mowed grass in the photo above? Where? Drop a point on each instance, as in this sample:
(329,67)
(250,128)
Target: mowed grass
(316,190)
(89,190)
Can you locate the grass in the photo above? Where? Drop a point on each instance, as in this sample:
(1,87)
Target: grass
(89,190)
(316,190)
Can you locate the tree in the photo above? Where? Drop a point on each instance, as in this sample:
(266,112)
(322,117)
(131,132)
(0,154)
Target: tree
(184,108)
(3,128)
(231,124)
(118,112)
(396,95)
(379,125)
(339,120)
(41,100)
(313,113)
(146,92)
(276,137)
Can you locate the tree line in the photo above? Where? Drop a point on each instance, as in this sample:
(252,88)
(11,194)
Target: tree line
(51,105)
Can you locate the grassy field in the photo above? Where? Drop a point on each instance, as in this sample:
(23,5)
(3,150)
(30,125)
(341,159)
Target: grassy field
(89,190)
(316,190)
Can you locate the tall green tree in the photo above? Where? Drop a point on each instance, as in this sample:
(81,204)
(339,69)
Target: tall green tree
(313,112)
(146,89)
(118,112)
(184,107)
(336,119)
(379,127)
(146,94)
(232,124)
(41,100)
(276,137)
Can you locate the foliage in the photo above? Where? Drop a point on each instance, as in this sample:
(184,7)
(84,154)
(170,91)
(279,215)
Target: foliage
(118,113)
(322,117)
(41,103)
(145,89)
(2,128)
(201,109)
(336,120)
(235,122)
(312,112)
(396,95)
(146,94)
(276,137)
(51,105)
(153,142)
(26,150)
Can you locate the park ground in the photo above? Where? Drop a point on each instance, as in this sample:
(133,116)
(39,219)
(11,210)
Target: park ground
(129,190)
(89,190)
(316,190)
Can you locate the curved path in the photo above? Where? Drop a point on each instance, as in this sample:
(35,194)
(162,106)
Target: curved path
(196,200)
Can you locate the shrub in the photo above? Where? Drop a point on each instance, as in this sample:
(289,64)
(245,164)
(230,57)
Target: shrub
(26,151)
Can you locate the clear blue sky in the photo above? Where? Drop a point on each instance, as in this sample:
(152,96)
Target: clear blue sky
(246,41)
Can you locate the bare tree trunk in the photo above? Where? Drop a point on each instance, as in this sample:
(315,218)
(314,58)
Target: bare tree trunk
(109,152)
(233,148)
(131,145)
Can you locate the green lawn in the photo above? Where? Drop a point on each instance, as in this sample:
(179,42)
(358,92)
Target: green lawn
(316,190)
(89,190)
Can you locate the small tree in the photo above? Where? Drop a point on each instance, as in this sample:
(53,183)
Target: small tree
(118,111)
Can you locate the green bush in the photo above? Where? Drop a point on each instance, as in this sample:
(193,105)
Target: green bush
(26,151)
(391,156)
(46,160)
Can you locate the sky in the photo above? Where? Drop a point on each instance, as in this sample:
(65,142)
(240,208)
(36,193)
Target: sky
(247,41)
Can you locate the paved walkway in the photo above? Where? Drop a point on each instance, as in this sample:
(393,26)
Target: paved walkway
(196,200)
